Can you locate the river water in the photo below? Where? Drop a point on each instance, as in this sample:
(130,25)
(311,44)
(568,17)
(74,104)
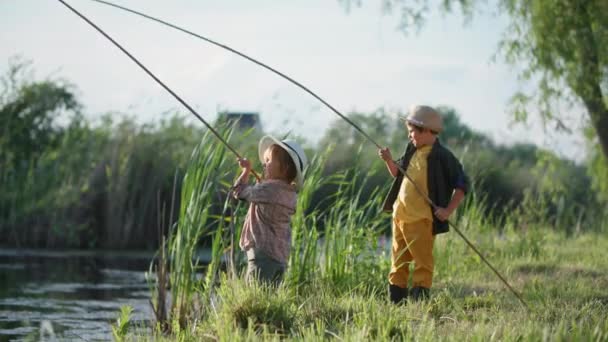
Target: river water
(70,296)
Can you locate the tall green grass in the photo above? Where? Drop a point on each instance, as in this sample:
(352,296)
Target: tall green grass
(201,187)
(304,231)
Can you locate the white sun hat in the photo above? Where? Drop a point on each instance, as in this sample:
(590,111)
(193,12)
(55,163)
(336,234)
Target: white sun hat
(294,150)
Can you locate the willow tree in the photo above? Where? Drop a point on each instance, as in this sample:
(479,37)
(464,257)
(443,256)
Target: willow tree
(560,44)
(564,44)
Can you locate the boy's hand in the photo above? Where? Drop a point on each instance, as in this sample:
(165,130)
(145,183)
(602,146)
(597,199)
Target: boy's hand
(244,164)
(385,154)
(442,213)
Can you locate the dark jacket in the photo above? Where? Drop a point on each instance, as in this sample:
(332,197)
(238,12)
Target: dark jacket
(445,174)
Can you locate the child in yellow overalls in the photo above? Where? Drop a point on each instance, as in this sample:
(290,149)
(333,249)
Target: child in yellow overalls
(433,172)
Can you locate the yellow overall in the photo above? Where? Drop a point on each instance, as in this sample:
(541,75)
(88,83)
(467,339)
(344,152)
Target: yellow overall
(413,227)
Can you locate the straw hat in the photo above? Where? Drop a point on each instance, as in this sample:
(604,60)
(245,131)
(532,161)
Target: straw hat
(425,116)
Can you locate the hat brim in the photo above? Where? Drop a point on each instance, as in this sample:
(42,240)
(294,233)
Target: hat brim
(267,141)
(417,123)
(412,121)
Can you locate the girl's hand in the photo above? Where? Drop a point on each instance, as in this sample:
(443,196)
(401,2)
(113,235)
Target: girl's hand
(244,164)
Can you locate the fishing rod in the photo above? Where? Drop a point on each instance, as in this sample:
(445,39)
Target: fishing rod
(306,89)
(177,97)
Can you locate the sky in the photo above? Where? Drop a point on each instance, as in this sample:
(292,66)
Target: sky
(355,60)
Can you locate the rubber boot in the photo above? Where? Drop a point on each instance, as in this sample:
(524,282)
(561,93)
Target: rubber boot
(420,293)
(397,294)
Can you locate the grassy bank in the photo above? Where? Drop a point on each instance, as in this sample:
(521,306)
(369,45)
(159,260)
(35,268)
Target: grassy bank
(336,283)
(564,283)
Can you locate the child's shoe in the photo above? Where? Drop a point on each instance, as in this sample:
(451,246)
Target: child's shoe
(397,294)
(420,293)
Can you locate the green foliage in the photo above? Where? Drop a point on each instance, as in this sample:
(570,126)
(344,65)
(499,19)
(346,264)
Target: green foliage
(597,168)
(205,170)
(326,251)
(68,183)
(349,241)
(138,165)
(34,154)
(563,44)
(29,112)
(304,231)
(121,327)
(347,141)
